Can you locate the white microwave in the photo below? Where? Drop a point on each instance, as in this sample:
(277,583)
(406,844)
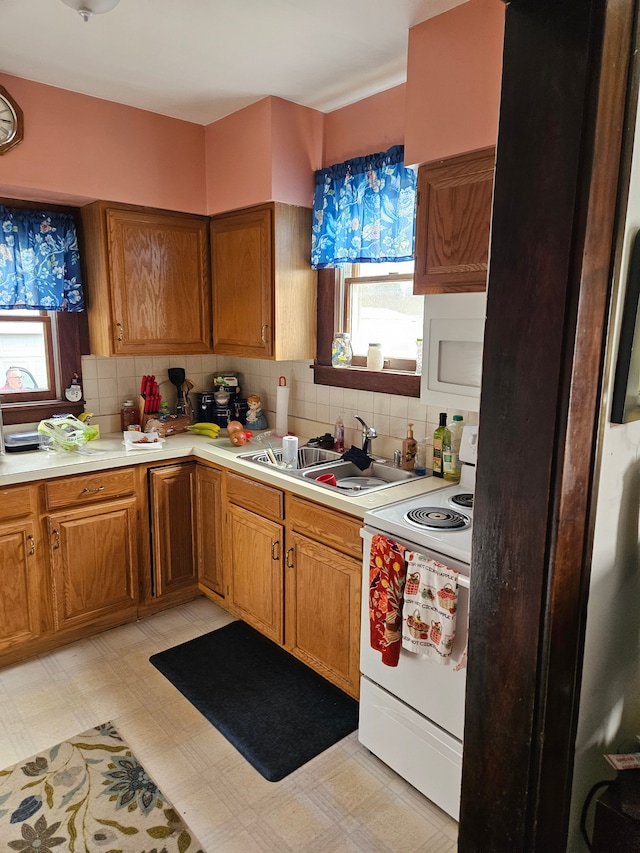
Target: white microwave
(452,349)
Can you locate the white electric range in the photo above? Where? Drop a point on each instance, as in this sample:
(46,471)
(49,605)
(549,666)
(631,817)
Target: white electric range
(412,715)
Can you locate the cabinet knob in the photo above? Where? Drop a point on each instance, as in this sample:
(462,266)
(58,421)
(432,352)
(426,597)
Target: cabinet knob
(275,544)
(32,545)
(120,335)
(290,563)
(56,539)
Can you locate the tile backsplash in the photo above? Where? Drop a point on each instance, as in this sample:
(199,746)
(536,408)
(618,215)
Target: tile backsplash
(313,409)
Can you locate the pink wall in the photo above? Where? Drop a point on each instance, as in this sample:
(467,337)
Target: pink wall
(366,127)
(78,148)
(453,81)
(297,148)
(238,158)
(450,102)
(267,151)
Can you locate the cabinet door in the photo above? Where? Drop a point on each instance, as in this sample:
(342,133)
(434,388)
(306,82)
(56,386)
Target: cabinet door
(255,553)
(159,279)
(19,585)
(453,221)
(323,610)
(173,532)
(242,276)
(94,564)
(209,515)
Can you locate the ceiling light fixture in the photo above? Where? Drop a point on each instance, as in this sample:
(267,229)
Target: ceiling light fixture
(87,8)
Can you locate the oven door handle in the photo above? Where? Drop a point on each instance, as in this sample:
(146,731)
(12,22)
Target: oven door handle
(463,580)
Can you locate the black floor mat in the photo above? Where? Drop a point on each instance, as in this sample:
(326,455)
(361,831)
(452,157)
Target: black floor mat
(277,712)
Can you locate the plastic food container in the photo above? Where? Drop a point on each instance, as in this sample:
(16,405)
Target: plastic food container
(142,440)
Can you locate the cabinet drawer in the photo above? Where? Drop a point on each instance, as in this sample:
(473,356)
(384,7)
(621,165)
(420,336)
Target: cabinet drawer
(263,500)
(91,487)
(16,502)
(327,526)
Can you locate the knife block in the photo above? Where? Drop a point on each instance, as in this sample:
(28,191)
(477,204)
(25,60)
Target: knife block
(144,416)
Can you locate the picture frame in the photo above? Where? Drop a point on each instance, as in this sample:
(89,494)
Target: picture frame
(625,405)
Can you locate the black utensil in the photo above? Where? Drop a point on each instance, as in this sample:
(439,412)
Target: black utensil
(176,377)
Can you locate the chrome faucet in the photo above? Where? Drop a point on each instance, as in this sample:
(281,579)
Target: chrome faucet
(368,434)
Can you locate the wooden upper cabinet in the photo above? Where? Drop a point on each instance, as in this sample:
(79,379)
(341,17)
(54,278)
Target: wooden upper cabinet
(264,290)
(453,223)
(148,287)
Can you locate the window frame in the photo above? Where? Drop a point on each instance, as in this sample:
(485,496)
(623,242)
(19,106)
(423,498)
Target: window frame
(387,381)
(70,342)
(399,364)
(48,324)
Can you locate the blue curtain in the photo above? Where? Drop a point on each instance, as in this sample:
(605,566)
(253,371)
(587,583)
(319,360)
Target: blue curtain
(39,261)
(364,211)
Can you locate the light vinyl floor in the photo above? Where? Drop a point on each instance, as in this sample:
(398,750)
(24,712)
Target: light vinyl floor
(344,800)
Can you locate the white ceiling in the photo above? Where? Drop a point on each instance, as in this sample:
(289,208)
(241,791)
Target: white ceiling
(200,60)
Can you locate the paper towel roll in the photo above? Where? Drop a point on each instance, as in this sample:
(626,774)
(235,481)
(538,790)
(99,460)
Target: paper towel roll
(282,408)
(290,451)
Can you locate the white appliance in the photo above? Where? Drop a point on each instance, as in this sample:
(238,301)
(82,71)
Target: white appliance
(452,349)
(412,715)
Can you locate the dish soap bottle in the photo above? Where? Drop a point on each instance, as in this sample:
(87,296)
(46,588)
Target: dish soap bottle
(451,452)
(440,435)
(409,445)
(338,435)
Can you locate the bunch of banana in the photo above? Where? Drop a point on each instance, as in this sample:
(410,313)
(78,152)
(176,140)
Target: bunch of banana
(206,429)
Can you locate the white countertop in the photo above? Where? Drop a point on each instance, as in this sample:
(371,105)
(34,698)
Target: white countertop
(109,452)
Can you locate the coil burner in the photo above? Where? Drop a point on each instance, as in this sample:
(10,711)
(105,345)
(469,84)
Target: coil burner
(465,500)
(437,518)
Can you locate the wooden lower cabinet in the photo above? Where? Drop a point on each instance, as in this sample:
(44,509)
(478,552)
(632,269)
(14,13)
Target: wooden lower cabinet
(19,585)
(211,572)
(255,554)
(323,583)
(22,594)
(173,528)
(94,564)
(323,610)
(295,570)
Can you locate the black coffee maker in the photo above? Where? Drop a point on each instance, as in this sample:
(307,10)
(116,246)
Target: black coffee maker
(209,410)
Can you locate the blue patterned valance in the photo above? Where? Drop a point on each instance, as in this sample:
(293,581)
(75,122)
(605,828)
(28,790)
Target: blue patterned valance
(364,211)
(39,261)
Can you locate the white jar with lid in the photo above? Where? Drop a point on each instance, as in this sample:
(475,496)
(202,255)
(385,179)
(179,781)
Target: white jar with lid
(375,359)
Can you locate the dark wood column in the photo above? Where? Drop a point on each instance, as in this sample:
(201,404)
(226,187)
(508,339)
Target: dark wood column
(566,64)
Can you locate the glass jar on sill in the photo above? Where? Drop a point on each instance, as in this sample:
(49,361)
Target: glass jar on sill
(341,352)
(375,358)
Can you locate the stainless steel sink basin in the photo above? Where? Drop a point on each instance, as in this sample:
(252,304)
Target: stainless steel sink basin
(313,462)
(350,480)
(307,457)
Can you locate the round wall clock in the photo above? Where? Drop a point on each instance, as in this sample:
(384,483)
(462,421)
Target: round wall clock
(11,122)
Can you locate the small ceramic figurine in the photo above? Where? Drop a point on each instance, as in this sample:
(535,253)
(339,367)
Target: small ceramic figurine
(255,418)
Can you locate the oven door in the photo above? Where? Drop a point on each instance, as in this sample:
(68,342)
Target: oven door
(435,691)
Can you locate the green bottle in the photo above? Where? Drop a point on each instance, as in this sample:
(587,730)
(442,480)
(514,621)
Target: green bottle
(451,452)
(440,436)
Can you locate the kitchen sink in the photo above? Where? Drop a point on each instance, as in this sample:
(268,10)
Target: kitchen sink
(313,462)
(307,457)
(350,480)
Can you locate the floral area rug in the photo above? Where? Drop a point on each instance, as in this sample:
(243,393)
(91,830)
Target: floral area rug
(88,794)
